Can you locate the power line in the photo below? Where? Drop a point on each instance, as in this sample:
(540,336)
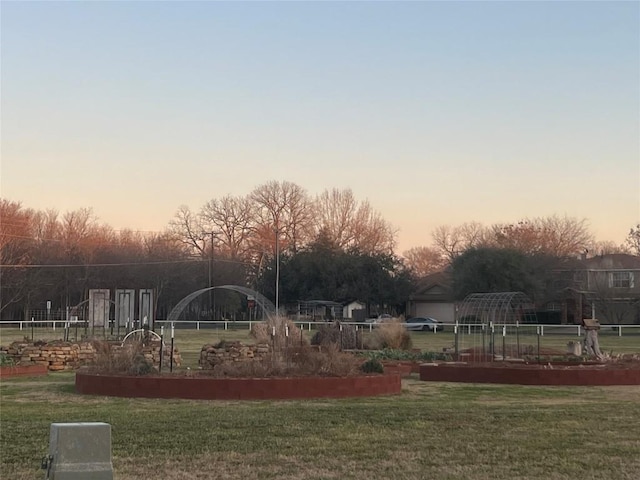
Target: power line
(127,264)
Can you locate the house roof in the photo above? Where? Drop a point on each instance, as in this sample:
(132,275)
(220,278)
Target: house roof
(613,261)
(436,286)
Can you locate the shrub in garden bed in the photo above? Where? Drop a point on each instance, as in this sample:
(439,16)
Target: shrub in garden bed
(408,356)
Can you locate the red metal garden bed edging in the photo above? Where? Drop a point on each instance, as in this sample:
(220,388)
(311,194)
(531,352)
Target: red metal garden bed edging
(210,388)
(531,374)
(23,371)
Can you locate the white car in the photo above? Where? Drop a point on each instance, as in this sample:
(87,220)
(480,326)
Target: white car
(385,317)
(423,324)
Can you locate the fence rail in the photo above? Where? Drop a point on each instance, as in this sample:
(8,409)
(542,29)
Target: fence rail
(469,328)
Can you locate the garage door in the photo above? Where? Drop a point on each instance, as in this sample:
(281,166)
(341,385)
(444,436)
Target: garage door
(444,312)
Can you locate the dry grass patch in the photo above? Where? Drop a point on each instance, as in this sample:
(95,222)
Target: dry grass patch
(393,335)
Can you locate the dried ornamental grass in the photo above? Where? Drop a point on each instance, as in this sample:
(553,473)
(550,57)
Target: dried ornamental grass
(393,335)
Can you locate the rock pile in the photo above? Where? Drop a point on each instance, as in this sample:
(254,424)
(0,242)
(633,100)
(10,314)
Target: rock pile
(225,352)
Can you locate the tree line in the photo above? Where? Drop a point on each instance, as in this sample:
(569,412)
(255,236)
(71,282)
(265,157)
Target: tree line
(328,246)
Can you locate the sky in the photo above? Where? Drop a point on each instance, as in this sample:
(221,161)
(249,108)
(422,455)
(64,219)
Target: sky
(436,113)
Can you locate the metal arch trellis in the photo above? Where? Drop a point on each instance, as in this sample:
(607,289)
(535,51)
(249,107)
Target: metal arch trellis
(267,306)
(501,308)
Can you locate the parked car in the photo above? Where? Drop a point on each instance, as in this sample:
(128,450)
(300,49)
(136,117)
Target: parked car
(385,317)
(422,324)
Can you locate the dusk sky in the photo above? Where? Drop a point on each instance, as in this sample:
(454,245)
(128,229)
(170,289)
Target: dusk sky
(437,113)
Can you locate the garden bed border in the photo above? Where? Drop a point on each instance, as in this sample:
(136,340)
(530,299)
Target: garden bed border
(201,387)
(532,374)
(10,371)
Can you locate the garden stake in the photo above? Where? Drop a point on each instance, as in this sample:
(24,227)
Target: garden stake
(493,341)
(161,342)
(518,338)
(455,331)
(538,333)
(484,351)
(171,358)
(504,336)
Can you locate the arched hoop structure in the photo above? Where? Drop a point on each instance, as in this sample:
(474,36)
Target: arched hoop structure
(140,332)
(267,306)
(502,308)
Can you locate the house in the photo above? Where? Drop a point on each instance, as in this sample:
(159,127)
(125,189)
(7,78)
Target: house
(606,287)
(433,298)
(317,310)
(355,311)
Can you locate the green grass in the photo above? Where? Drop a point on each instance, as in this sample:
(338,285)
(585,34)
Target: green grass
(190,341)
(432,430)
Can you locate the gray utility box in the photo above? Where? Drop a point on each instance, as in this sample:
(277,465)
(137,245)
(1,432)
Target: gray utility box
(79,451)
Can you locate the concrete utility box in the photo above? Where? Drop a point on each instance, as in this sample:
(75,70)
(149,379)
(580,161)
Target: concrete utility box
(79,451)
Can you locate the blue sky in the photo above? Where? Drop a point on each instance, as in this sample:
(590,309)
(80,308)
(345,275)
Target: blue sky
(437,113)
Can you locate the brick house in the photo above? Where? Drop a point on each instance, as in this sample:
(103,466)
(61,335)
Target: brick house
(606,287)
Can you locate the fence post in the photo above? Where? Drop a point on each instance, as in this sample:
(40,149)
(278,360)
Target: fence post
(225,325)
(619,330)
(455,332)
(197,325)
(579,332)
(542,330)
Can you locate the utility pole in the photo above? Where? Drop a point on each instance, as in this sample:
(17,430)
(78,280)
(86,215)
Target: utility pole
(277,270)
(212,295)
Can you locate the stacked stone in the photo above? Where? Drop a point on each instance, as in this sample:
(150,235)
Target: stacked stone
(152,354)
(212,355)
(56,356)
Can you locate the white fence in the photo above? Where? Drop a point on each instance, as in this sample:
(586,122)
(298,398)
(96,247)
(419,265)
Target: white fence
(527,328)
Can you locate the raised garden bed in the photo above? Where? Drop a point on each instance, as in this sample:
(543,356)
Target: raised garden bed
(23,371)
(616,373)
(201,387)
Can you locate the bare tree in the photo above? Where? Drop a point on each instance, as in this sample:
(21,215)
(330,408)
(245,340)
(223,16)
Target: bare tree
(633,239)
(15,251)
(556,236)
(605,247)
(423,261)
(453,241)
(346,223)
(231,219)
(187,228)
(286,209)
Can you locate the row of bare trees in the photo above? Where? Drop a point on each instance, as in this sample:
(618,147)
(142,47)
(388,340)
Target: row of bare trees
(281,215)
(57,257)
(554,236)
(234,238)
(48,255)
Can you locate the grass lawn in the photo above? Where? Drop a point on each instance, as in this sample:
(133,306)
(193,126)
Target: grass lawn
(190,341)
(430,431)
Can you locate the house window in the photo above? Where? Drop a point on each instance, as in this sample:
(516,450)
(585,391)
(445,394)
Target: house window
(621,279)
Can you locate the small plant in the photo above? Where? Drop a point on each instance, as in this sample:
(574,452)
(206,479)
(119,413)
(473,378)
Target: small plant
(372,365)
(403,355)
(6,360)
(140,366)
